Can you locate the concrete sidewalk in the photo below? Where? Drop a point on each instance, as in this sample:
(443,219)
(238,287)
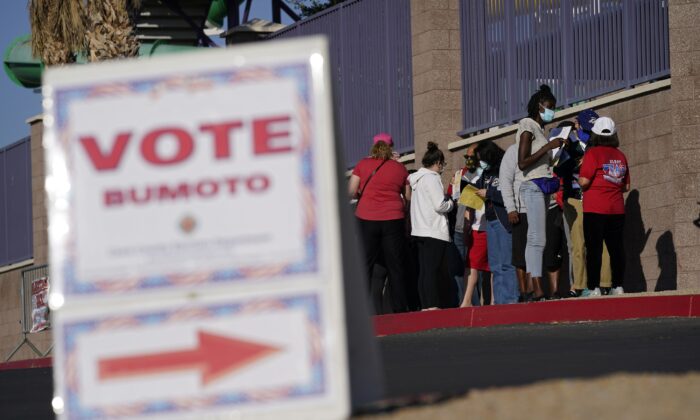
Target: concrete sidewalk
(606,308)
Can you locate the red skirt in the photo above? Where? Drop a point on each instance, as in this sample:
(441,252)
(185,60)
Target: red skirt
(477,257)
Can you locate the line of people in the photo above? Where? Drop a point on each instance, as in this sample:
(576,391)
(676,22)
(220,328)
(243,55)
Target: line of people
(505,222)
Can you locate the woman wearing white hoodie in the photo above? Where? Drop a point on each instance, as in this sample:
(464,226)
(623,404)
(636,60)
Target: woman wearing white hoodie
(430,230)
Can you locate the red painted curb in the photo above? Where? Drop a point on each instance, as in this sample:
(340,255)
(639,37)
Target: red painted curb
(27,364)
(421,321)
(568,310)
(694,306)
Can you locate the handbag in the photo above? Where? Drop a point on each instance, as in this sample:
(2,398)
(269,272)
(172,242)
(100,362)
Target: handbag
(548,185)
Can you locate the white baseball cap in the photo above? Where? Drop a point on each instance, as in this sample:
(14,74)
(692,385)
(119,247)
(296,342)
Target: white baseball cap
(604,126)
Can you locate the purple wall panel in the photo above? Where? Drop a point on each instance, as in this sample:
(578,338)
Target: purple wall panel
(370,54)
(581,48)
(15,202)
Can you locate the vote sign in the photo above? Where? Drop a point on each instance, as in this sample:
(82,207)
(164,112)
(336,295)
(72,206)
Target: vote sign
(193,183)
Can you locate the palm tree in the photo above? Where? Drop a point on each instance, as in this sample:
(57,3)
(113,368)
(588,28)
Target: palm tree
(56,30)
(110,29)
(102,29)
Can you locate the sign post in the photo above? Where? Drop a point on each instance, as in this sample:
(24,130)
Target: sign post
(194,235)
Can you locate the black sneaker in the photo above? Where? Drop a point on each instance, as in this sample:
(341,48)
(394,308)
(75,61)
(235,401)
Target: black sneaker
(605,291)
(528,297)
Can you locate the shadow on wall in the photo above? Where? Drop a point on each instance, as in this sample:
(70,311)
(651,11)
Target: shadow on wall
(666,251)
(635,240)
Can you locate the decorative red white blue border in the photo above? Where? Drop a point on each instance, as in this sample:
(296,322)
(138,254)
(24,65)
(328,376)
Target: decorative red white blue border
(300,74)
(71,332)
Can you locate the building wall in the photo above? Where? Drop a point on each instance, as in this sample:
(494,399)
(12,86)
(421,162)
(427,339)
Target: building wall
(437,85)
(685,119)
(659,132)
(10,281)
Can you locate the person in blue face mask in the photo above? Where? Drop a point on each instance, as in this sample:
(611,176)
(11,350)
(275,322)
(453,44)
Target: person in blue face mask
(498,227)
(534,160)
(583,125)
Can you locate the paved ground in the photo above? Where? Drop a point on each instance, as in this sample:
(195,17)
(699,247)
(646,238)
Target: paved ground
(26,394)
(628,396)
(452,361)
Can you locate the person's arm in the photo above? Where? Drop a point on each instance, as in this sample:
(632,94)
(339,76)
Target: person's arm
(584,182)
(494,195)
(437,198)
(353,185)
(587,171)
(525,156)
(506,176)
(407,192)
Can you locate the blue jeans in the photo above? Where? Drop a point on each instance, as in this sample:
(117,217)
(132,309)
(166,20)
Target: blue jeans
(500,247)
(458,269)
(535,201)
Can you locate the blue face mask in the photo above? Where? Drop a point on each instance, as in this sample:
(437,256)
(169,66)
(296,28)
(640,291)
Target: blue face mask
(484,166)
(547,115)
(582,135)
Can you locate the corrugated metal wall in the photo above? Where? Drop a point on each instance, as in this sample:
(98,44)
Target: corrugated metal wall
(581,48)
(370,43)
(16,202)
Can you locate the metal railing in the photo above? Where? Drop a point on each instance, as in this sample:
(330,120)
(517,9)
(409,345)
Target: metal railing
(581,48)
(370,54)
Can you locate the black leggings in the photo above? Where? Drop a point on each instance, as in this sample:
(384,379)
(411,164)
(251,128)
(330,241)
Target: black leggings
(609,228)
(433,277)
(385,242)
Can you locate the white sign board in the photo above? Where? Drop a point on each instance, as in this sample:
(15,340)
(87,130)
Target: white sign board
(194,235)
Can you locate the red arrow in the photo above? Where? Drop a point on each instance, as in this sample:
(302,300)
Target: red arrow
(215,356)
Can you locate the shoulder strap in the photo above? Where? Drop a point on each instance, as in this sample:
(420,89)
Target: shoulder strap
(369,178)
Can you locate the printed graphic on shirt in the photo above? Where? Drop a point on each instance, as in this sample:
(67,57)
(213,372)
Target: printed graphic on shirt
(493,181)
(614,172)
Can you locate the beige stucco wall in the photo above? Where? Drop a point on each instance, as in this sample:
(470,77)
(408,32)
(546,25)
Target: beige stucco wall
(10,280)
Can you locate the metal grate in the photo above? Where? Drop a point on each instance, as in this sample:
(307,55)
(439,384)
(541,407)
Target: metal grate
(370,54)
(581,48)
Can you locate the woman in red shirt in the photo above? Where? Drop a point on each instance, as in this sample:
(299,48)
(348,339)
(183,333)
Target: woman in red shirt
(379,183)
(604,177)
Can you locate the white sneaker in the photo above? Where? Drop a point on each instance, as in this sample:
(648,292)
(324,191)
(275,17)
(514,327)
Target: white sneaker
(591,293)
(617,291)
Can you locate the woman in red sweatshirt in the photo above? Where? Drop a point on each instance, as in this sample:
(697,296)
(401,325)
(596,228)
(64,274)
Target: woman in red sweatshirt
(604,177)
